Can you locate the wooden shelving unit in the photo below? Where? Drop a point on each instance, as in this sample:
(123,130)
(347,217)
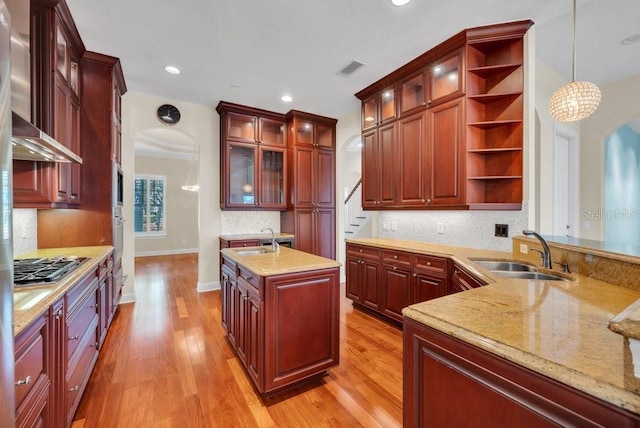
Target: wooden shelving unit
(495,113)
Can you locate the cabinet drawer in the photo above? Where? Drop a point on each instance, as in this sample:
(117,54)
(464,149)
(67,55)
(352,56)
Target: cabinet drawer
(244,243)
(87,285)
(79,322)
(229,264)
(249,276)
(30,359)
(431,264)
(397,257)
(78,374)
(363,252)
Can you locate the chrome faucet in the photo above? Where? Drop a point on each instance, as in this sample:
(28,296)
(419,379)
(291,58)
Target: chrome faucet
(274,245)
(546,253)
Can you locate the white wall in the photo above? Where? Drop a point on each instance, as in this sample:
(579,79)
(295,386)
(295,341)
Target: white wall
(181,216)
(620,104)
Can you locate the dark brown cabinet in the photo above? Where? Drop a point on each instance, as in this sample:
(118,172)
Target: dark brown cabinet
(56,92)
(257,314)
(447,131)
(448,382)
(100,74)
(310,214)
(386,281)
(461,280)
(253,158)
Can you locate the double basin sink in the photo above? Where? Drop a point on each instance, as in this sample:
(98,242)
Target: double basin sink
(515,269)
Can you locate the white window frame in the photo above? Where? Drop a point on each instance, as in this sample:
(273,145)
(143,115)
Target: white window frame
(148,177)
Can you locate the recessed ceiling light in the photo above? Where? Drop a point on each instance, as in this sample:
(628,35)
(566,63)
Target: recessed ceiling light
(171,69)
(286,98)
(399,2)
(631,39)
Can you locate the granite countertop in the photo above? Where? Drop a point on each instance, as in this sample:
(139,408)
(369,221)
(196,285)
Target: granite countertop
(285,260)
(556,328)
(256,236)
(32,302)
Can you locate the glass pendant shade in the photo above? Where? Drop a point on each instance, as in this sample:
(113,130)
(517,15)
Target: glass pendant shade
(578,99)
(574,101)
(190,186)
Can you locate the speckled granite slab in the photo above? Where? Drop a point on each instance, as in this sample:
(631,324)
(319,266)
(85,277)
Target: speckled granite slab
(286,260)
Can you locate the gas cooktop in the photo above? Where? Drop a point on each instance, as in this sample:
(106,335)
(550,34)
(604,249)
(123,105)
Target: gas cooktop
(29,272)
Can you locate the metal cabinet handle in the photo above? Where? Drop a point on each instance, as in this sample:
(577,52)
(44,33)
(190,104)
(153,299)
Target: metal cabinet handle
(395,267)
(58,314)
(73,337)
(25,381)
(74,389)
(428,201)
(415,274)
(428,263)
(245,297)
(395,257)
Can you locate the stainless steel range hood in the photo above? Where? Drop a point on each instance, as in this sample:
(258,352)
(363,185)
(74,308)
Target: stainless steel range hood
(30,143)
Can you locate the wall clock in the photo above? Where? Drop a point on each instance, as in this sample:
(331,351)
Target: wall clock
(168,114)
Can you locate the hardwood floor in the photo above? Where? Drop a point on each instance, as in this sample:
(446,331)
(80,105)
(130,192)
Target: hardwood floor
(166,363)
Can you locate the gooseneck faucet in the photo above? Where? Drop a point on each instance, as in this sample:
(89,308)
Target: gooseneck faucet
(274,245)
(546,253)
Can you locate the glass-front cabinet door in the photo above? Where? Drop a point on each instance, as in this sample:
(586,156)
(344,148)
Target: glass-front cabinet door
(272,178)
(242,176)
(412,93)
(242,127)
(272,132)
(387,105)
(445,79)
(304,132)
(325,135)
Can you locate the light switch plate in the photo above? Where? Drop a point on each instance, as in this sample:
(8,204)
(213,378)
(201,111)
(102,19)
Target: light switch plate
(524,249)
(440,227)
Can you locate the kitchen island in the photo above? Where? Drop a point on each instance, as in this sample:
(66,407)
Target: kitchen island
(280,311)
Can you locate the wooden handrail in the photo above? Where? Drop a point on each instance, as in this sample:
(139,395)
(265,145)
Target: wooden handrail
(353,191)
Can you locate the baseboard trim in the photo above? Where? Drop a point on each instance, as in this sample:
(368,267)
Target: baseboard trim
(166,252)
(203,287)
(128,298)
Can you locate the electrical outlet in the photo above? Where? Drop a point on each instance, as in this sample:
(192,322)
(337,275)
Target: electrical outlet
(440,228)
(385,225)
(502,230)
(394,226)
(524,249)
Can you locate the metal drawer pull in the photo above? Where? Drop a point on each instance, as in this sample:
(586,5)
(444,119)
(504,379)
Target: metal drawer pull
(25,381)
(74,389)
(73,337)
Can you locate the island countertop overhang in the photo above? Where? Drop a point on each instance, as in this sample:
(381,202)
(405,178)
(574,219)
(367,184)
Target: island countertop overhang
(284,261)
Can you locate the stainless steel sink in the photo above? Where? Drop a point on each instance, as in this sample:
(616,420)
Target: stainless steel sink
(253,251)
(497,265)
(529,275)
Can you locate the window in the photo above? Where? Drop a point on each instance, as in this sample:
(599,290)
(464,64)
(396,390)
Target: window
(149,205)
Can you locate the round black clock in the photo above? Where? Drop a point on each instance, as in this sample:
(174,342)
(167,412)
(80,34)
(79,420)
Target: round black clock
(168,114)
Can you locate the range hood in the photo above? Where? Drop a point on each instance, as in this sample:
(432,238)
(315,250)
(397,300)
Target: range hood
(30,143)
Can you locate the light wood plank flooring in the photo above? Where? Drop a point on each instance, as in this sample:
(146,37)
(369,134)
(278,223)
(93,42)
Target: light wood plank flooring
(166,363)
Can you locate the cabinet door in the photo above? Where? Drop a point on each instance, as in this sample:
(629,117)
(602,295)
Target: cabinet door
(242,318)
(353,274)
(411,162)
(272,132)
(325,136)
(378,167)
(370,177)
(446,79)
(325,233)
(75,177)
(370,284)
(370,113)
(304,131)
(446,157)
(324,179)
(387,106)
(241,168)
(271,178)
(254,335)
(413,93)
(303,181)
(235,300)
(427,287)
(396,286)
(242,128)
(305,230)
(225,297)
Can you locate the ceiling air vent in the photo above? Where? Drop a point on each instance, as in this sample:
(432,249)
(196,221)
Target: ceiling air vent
(350,68)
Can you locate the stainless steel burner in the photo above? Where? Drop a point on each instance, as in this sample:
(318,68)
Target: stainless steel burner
(28,272)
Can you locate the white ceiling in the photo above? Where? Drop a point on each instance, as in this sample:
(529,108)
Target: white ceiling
(269,48)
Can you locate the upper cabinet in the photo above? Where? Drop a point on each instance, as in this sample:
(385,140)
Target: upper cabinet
(56,102)
(446,129)
(252,158)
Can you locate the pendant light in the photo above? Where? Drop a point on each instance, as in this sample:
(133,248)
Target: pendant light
(188,185)
(576,100)
(248,187)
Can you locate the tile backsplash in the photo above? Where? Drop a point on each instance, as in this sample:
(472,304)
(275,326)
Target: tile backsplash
(25,231)
(241,222)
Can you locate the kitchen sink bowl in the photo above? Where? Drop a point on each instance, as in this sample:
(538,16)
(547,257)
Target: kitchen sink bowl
(529,275)
(510,266)
(250,251)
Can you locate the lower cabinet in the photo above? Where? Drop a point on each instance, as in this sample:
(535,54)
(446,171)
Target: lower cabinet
(448,382)
(461,280)
(284,328)
(386,281)
(33,374)
(56,353)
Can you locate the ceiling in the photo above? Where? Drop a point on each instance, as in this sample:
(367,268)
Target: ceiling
(253,51)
